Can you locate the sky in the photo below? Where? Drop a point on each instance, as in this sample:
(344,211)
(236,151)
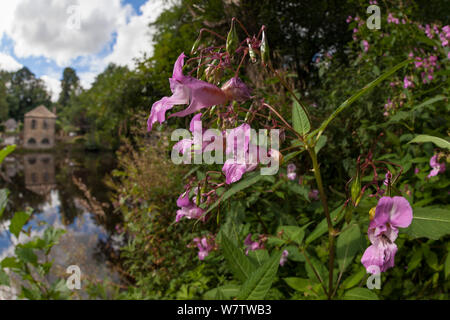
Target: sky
(48,35)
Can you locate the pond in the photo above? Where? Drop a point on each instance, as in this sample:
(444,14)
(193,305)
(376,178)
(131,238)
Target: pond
(66,189)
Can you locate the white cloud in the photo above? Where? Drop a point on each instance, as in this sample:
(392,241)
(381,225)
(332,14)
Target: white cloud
(8,63)
(49,28)
(135,37)
(53,86)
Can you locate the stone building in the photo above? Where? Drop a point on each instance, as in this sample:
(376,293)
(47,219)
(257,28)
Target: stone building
(39,129)
(39,170)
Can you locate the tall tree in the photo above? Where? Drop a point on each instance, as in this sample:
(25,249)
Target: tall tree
(70,85)
(25,92)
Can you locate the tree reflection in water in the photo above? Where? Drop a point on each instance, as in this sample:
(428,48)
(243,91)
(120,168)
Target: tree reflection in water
(66,189)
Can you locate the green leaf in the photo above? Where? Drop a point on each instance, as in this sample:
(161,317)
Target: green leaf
(26,255)
(3,200)
(429,101)
(250,180)
(292,233)
(320,143)
(429,222)
(360,294)
(444,144)
(259,283)
(415,260)
(239,264)
(354,279)
(322,227)
(9,262)
(228,291)
(447,266)
(258,257)
(348,244)
(300,120)
(358,94)
(4,278)
(17,222)
(6,151)
(299,284)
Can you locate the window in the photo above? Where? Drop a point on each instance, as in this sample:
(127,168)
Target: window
(45,125)
(32,141)
(33,124)
(32,161)
(45,141)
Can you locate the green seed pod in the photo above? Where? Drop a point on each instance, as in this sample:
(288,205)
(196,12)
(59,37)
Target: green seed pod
(196,44)
(356,189)
(265,54)
(251,52)
(232,39)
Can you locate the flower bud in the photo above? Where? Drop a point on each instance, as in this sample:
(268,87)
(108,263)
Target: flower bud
(232,39)
(251,52)
(236,90)
(265,54)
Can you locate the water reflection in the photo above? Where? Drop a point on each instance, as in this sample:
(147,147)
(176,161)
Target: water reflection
(66,189)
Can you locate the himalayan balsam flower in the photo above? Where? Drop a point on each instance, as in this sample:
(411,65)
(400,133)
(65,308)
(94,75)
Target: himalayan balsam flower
(204,246)
(436,166)
(235,89)
(366,45)
(185,90)
(407,83)
(314,194)
(235,167)
(390,214)
(284,256)
(188,209)
(252,245)
(291,175)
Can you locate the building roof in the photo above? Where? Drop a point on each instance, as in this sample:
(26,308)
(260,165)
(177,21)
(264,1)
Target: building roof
(40,112)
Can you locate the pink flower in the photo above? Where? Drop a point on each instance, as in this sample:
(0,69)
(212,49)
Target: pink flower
(314,194)
(238,143)
(349,19)
(188,208)
(252,245)
(436,167)
(390,214)
(407,83)
(366,45)
(284,256)
(204,245)
(291,171)
(185,90)
(416,170)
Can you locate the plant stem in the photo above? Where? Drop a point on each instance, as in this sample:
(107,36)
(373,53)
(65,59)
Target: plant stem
(331,231)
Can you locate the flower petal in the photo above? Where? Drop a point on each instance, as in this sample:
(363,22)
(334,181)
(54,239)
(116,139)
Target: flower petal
(401,213)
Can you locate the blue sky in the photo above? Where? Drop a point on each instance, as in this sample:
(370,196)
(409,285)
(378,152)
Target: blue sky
(48,35)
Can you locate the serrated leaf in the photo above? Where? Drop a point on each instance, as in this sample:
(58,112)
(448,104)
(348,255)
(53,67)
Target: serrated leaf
(300,121)
(429,222)
(320,143)
(441,143)
(292,233)
(258,257)
(228,291)
(415,260)
(239,264)
(359,93)
(360,294)
(259,283)
(348,244)
(26,255)
(250,180)
(354,279)
(322,227)
(17,222)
